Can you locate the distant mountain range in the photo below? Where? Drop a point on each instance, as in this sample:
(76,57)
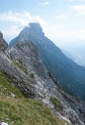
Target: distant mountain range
(66,71)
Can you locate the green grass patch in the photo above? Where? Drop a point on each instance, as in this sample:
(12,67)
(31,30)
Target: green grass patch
(21,110)
(26,112)
(7,88)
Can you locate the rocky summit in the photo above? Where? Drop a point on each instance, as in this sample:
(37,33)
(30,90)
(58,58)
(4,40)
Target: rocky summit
(29,93)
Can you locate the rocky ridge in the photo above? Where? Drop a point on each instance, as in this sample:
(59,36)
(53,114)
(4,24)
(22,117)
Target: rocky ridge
(23,66)
(67,72)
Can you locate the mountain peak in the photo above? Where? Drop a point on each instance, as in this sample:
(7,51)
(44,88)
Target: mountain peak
(29,32)
(36,28)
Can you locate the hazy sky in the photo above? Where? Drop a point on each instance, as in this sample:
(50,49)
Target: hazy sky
(63,21)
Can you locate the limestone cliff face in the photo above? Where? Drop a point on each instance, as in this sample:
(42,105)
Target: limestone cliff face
(23,66)
(3,44)
(26,54)
(12,71)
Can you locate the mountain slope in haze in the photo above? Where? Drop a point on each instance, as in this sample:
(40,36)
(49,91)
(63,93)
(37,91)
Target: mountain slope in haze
(76,54)
(67,72)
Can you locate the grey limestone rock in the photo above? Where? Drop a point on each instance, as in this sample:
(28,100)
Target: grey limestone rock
(22,64)
(3,43)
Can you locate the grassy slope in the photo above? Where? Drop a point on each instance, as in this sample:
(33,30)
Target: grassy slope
(21,110)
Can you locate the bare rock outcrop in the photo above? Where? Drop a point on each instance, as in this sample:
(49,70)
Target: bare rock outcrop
(3,43)
(22,64)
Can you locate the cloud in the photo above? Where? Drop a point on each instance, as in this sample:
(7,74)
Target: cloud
(12,23)
(80,9)
(46,3)
(72,34)
(62,17)
(20,18)
(60,34)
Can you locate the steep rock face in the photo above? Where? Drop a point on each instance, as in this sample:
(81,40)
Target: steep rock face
(18,78)
(67,72)
(3,44)
(23,66)
(27,54)
(77,105)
